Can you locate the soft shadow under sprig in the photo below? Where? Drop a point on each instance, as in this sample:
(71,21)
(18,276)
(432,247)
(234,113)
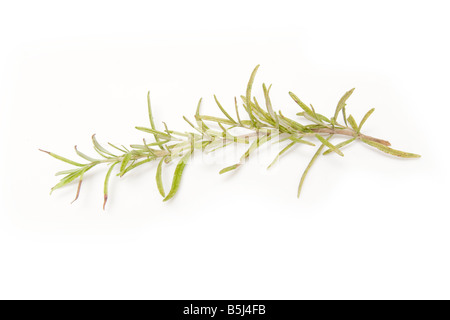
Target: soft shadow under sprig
(262,125)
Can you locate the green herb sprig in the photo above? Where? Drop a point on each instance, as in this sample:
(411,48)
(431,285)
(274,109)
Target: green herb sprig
(262,124)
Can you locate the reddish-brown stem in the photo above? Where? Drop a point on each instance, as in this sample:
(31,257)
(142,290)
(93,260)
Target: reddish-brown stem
(351,133)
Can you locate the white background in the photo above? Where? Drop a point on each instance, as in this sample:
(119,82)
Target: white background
(367,225)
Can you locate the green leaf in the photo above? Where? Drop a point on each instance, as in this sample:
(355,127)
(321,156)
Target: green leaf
(302,180)
(313,111)
(67,179)
(223,110)
(71,176)
(391,151)
(285,125)
(255,144)
(216,119)
(352,122)
(147,145)
(364,119)
(200,123)
(263,115)
(86,157)
(322,118)
(269,105)
(280,153)
(150,116)
(177,176)
(300,140)
(302,105)
(192,125)
(102,151)
(329,145)
(116,147)
(293,124)
(340,145)
(139,146)
(166,129)
(227,169)
(341,103)
(250,84)
(63,159)
(159,182)
(125,161)
(254,123)
(192,141)
(314,119)
(344,116)
(248,97)
(136,164)
(105,185)
(224,131)
(160,134)
(66,172)
(215,147)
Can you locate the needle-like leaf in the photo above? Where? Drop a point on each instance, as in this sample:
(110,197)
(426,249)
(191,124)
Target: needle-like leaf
(150,116)
(159,182)
(302,180)
(105,185)
(329,145)
(203,127)
(82,155)
(65,172)
(341,104)
(125,161)
(302,105)
(364,119)
(102,151)
(248,97)
(67,179)
(177,176)
(134,165)
(124,150)
(230,168)
(340,145)
(300,140)
(391,151)
(269,105)
(223,110)
(290,145)
(352,122)
(63,159)
(159,134)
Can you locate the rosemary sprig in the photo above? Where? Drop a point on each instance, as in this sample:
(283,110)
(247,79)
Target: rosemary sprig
(263,126)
